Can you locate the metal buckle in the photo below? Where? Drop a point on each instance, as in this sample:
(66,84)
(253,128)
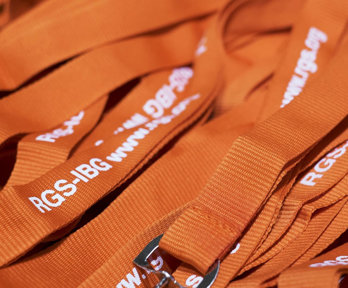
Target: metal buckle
(165,277)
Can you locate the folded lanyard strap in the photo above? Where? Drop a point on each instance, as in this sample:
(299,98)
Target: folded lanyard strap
(249,172)
(254,109)
(315,37)
(82,81)
(37,153)
(295,213)
(46,149)
(326,270)
(44,39)
(256,237)
(90,246)
(118,270)
(36,223)
(209,222)
(111,273)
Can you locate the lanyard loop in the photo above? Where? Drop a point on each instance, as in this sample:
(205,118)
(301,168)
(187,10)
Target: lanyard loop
(142,261)
(252,170)
(247,217)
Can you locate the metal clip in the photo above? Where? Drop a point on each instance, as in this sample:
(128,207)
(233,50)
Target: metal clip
(165,277)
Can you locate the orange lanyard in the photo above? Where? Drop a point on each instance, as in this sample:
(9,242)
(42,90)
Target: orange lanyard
(55,31)
(71,90)
(269,192)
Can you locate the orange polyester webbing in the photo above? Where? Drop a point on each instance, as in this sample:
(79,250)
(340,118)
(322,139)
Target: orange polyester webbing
(315,36)
(46,149)
(109,275)
(189,106)
(323,271)
(72,27)
(121,220)
(251,109)
(318,223)
(100,126)
(277,198)
(37,153)
(238,261)
(83,80)
(296,213)
(119,266)
(229,201)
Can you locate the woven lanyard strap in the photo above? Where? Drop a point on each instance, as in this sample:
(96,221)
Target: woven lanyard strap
(241,122)
(116,230)
(252,169)
(56,31)
(46,149)
(327,270)
(93,173)
(105,69)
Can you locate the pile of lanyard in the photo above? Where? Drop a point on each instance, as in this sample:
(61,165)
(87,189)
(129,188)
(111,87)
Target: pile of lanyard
(172,143)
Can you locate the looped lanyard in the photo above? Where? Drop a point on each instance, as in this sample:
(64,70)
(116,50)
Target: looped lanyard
(71,91)
(74,27)
(308,154)
(216,219)
(327,270)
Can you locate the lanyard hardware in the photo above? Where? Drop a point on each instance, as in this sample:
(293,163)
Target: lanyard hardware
(142,261)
